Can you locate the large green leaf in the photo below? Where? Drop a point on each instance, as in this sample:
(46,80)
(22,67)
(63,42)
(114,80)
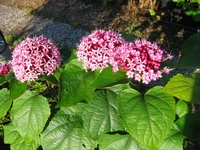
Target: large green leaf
(185,87)
(65,132)
(189,125)
(190,54)
(173,141)
(12,137)
(101,115)
(75,84)
(119,142)
(149,117)
(107,77)
(17,88)
(29,115)
(4,103)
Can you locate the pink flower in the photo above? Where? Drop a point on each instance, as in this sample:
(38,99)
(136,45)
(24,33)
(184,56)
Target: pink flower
(4,68)
(34,57)
(141,59)
(96,50)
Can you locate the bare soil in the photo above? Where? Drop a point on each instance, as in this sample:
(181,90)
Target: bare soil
(169,29)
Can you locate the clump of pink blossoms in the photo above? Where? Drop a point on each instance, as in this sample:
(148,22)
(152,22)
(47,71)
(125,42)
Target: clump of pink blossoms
(97,50)
(142,59)
(4,68)
(34,57)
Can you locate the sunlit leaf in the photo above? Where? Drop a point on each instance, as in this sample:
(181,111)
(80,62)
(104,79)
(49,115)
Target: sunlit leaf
(29,115)
(101,115)
(149,117)
(75,84)
(4,103)
(185,87)
(119,87)
(119,142)
(183,108)
(107,77)
(17,88)
(12,137)
(65,132)
(173,141)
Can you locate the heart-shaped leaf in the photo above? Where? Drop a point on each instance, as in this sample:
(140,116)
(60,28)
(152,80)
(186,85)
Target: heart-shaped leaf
(101,115)
(65,132)
(29,115)
(185,87)
(75,84)
(149,117)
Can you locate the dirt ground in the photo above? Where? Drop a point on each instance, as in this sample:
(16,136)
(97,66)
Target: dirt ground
(168,28)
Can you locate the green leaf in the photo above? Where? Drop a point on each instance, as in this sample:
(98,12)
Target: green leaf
(190,54)
(149,117)
(29,115)
(107,77)
(4,103)
(9,76)
(119,142)
(189,125)
(129,37)
(173,141)
(79,109)
(185,87)
(101,115)
(12,137)
(10,134)
(152,12)
(2,80)
(50,78)
(119,87)
(75,84)
(182,108)
(65,132)
(68,54)
(17,88)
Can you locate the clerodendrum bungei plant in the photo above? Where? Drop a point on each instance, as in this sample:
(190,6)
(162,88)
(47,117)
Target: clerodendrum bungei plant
(103,99)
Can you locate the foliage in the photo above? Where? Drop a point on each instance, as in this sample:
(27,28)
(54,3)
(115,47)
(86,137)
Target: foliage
(12,40)
(101,110)
(192,8)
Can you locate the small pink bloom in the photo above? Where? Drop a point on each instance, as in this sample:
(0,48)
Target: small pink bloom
(130,74)
(166,70)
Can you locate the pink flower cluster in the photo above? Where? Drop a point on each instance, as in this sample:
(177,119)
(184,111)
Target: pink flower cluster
(97,49)
(34,57)
(141,58)
(4,68)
